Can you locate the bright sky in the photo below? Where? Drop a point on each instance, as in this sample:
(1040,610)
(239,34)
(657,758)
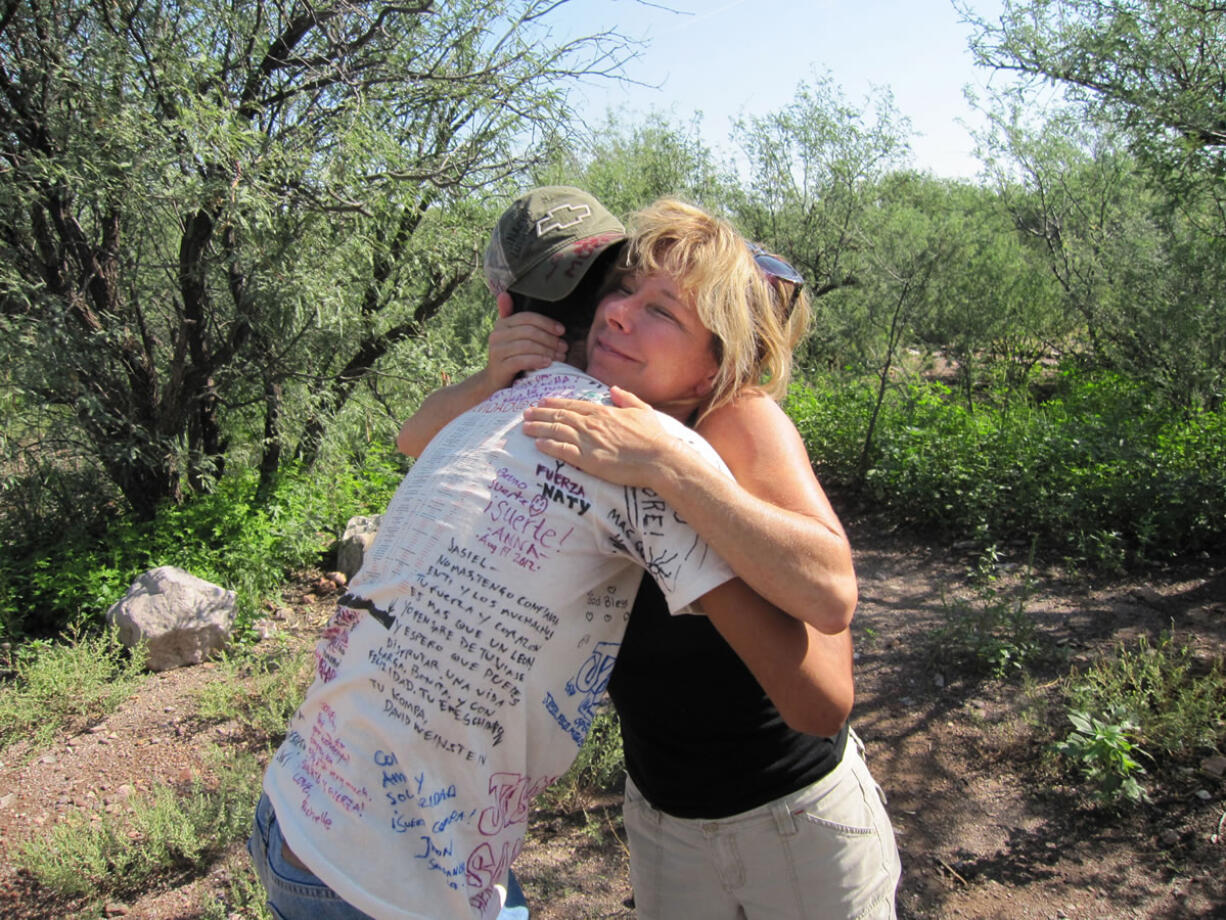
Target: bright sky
(725,58)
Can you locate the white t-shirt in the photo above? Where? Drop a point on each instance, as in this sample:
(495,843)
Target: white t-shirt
(460,673)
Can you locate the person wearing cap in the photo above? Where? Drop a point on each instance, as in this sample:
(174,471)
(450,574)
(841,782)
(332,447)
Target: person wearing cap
(546,260)
(460,672)
(725,768)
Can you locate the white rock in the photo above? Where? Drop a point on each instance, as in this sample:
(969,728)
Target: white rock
(182,618)
(359,533)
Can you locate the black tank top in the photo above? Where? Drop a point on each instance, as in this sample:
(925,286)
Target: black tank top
(701,737)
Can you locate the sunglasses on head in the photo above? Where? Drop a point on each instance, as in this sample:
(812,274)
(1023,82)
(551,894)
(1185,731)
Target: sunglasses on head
(775,269)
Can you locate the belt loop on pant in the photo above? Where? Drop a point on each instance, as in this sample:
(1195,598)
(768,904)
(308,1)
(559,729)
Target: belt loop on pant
(855,739)
(785,821)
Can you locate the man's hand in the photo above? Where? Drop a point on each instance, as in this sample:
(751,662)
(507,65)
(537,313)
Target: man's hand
(521,342)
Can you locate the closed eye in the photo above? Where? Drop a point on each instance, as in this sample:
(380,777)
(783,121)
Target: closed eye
(664,312)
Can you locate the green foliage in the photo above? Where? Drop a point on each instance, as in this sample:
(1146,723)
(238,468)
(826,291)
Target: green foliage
(599,767)
(831,413)
(1137,273)
(813,169)
(992,633)
(224,537)
(319,184)
(74,682)
(1154,68)
(992,307)
(1102,750)
(43,487)
(1103,472)
(627,166)
(169,830)
(258,688)
(1177,701)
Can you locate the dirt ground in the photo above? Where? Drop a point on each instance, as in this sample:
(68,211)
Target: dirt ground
(983,832)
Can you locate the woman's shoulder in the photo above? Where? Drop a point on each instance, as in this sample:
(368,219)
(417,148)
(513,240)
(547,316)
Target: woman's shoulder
(761,447)
(751,412)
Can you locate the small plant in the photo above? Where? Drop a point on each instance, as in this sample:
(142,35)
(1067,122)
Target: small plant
(77,680)
(1102,750)
(1177,700)
(258,689)
(245,897)
(168,830)
(991,633)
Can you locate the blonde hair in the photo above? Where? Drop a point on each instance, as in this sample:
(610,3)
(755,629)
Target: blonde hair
(794,311)
(744,310)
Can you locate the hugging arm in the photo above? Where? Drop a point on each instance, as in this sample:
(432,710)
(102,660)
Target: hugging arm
(807,674)
(773,525)
(519,342)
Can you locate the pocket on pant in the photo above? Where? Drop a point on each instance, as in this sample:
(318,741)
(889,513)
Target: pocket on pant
(843,810)
(287,872)
(843,851)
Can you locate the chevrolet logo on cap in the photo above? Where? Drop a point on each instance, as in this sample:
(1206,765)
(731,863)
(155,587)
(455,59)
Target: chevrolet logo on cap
(552,221)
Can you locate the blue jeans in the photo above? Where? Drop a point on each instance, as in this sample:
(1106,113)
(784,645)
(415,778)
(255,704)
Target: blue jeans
(298,894)
(515,908)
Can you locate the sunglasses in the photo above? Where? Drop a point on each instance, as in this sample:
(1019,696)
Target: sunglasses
(775,269)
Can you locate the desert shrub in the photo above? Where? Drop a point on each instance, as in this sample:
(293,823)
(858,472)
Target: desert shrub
(1156,702)
(76,681)
(224,537)
(1100,473)
(258,688)
(171,829)
(1177,700)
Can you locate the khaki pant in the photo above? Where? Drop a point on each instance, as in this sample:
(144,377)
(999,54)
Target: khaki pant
(826,852)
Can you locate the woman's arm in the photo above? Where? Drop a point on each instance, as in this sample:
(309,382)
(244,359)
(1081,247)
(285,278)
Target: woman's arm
(518,342)
(774,525)
(807,674)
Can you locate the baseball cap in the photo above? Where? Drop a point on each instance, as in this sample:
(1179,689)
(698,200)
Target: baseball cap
(545,242)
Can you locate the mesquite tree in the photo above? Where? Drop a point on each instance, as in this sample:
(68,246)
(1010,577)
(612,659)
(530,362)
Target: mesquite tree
(1123,189)
(1156,69)
(205,204)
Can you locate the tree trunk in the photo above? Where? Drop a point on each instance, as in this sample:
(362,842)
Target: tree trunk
(146,482)
(895,334)
(207,450)
(270,456)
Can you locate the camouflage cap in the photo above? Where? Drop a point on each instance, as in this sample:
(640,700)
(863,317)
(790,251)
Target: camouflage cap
(545,242)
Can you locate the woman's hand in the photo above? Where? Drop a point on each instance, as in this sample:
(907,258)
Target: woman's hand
(521,342)
(624,443)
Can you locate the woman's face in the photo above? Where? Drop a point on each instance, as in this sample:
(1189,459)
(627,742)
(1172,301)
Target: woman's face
(647,339)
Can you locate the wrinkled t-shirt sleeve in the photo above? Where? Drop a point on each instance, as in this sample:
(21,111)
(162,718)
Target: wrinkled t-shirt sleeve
(645,527)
